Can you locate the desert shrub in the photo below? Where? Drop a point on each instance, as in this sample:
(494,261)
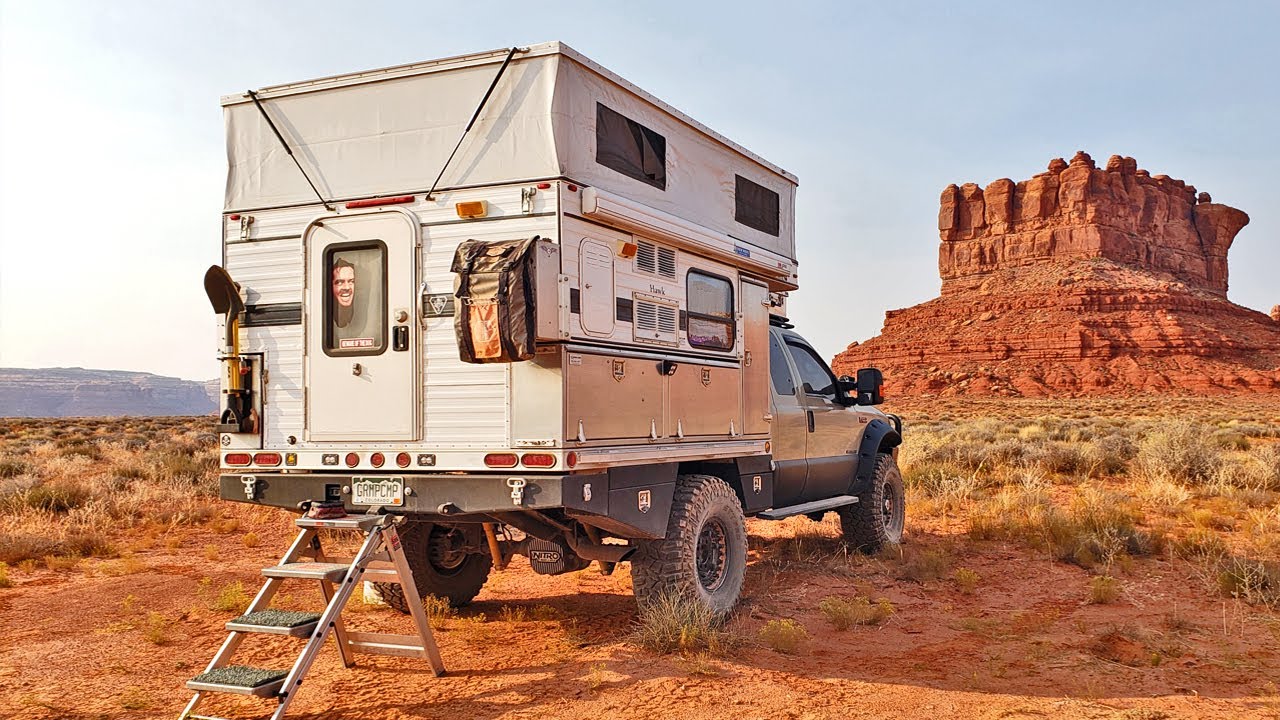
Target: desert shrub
(1180,451)
(1231,439)
(1062,458)
(1103,590)
(11,467)
(231,598)
(156,631)
(673,623)
(1112,453)
(438,610)
(966,580)
(1254,581)
(4,576)
(1095,527)
(57,496)
(844,614)
(784,636)
(1199,543)
(80,449)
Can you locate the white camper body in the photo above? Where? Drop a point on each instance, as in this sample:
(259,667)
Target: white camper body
(619,377)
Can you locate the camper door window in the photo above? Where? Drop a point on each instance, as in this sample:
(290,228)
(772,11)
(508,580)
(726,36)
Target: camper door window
(711,323)
(355,309)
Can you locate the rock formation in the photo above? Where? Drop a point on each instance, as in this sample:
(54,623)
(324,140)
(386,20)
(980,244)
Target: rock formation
(1079,281)
(66,392)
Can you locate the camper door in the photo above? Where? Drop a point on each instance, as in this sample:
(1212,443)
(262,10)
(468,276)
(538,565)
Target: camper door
(362,343)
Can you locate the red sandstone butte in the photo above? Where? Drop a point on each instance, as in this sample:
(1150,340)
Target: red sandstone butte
(1079,281)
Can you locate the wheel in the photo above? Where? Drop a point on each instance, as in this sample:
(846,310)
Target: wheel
(703,558)
(879,515)
(440,564)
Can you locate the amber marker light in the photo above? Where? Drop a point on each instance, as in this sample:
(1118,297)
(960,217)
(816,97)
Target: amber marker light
(472,209)
(501,460)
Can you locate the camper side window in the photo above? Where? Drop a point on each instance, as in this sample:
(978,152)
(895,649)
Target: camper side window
(755,206)
(355,311)
(632,149)
(710,322)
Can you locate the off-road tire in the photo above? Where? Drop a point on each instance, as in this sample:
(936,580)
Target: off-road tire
(877,519)
(458,583)
(705,509)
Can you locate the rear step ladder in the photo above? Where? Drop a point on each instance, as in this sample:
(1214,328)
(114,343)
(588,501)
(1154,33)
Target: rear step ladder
(306,560)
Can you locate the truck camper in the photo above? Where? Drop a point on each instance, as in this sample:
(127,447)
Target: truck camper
(523,307)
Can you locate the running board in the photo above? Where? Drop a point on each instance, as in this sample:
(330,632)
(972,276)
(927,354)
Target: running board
(838,501)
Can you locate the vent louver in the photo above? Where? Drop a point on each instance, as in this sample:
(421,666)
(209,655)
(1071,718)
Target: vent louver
(656,321)
(655,260)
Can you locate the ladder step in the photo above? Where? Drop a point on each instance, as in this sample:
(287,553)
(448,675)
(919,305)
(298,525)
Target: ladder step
(276,622)
(333,572)
(240,680)
(350,522)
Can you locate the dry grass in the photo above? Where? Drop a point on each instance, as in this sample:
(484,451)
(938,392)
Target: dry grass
(784,636)
(67,486)
(4,576)
(844,614)
(1103,590)
(672,623)
(1098,482)
(966,580)
(231,598)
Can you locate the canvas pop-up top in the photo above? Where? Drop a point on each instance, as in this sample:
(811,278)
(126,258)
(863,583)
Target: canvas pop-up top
(525,304)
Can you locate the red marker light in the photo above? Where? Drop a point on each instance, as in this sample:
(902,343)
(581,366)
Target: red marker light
(403,459)
(538,460)
(501,460)
(266,458)
(377,459)
(352,459)
(573,188)
(233,216)
(544,186)
(236,458)
(378,202)
(571,459)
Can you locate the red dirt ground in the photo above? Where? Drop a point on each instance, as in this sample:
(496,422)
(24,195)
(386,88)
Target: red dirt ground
(1025,644)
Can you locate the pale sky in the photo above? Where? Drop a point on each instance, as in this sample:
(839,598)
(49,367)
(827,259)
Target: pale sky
(112,164)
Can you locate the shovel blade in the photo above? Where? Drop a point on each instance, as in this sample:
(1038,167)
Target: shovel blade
(222,292)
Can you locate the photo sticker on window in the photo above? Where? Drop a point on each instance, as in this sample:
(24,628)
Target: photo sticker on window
(356,307)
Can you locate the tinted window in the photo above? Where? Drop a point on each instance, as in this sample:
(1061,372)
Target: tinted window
(755,206)
(710,322)
(815,376)
(779,370)
(632,149)
(356,307)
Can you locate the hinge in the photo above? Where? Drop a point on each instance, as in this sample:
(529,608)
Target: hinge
(526,199)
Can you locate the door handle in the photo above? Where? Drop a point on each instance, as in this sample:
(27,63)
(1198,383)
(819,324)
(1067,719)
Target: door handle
(400,338)
(810,414)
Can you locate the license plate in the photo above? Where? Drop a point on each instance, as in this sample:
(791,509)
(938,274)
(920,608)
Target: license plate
(377,491)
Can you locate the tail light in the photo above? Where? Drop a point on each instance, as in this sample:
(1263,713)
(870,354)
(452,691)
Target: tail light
(352,459)
(403,459)
(538,460)
(377,459)
(266,458)
(571,459)
(501,460)
(236,458)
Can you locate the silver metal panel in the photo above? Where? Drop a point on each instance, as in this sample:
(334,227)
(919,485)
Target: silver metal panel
(608,397)
(704,400)
(268,272)
(755,360)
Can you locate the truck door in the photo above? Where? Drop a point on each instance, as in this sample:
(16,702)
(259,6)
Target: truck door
(789,431)
(362,344)
(834,430)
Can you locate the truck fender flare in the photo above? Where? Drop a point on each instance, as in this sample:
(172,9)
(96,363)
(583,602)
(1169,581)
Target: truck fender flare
(878,434)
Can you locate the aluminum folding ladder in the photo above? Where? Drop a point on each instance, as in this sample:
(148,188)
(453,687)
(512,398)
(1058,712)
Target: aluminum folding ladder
(381,557)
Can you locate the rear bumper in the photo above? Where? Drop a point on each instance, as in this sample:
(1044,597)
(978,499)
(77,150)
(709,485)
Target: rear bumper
(427,494)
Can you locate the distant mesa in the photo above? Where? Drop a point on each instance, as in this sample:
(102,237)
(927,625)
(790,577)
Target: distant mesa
(77,392)
(1079,281)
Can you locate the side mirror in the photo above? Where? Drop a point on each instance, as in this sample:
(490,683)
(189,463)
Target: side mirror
(870,386)
(846,390)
